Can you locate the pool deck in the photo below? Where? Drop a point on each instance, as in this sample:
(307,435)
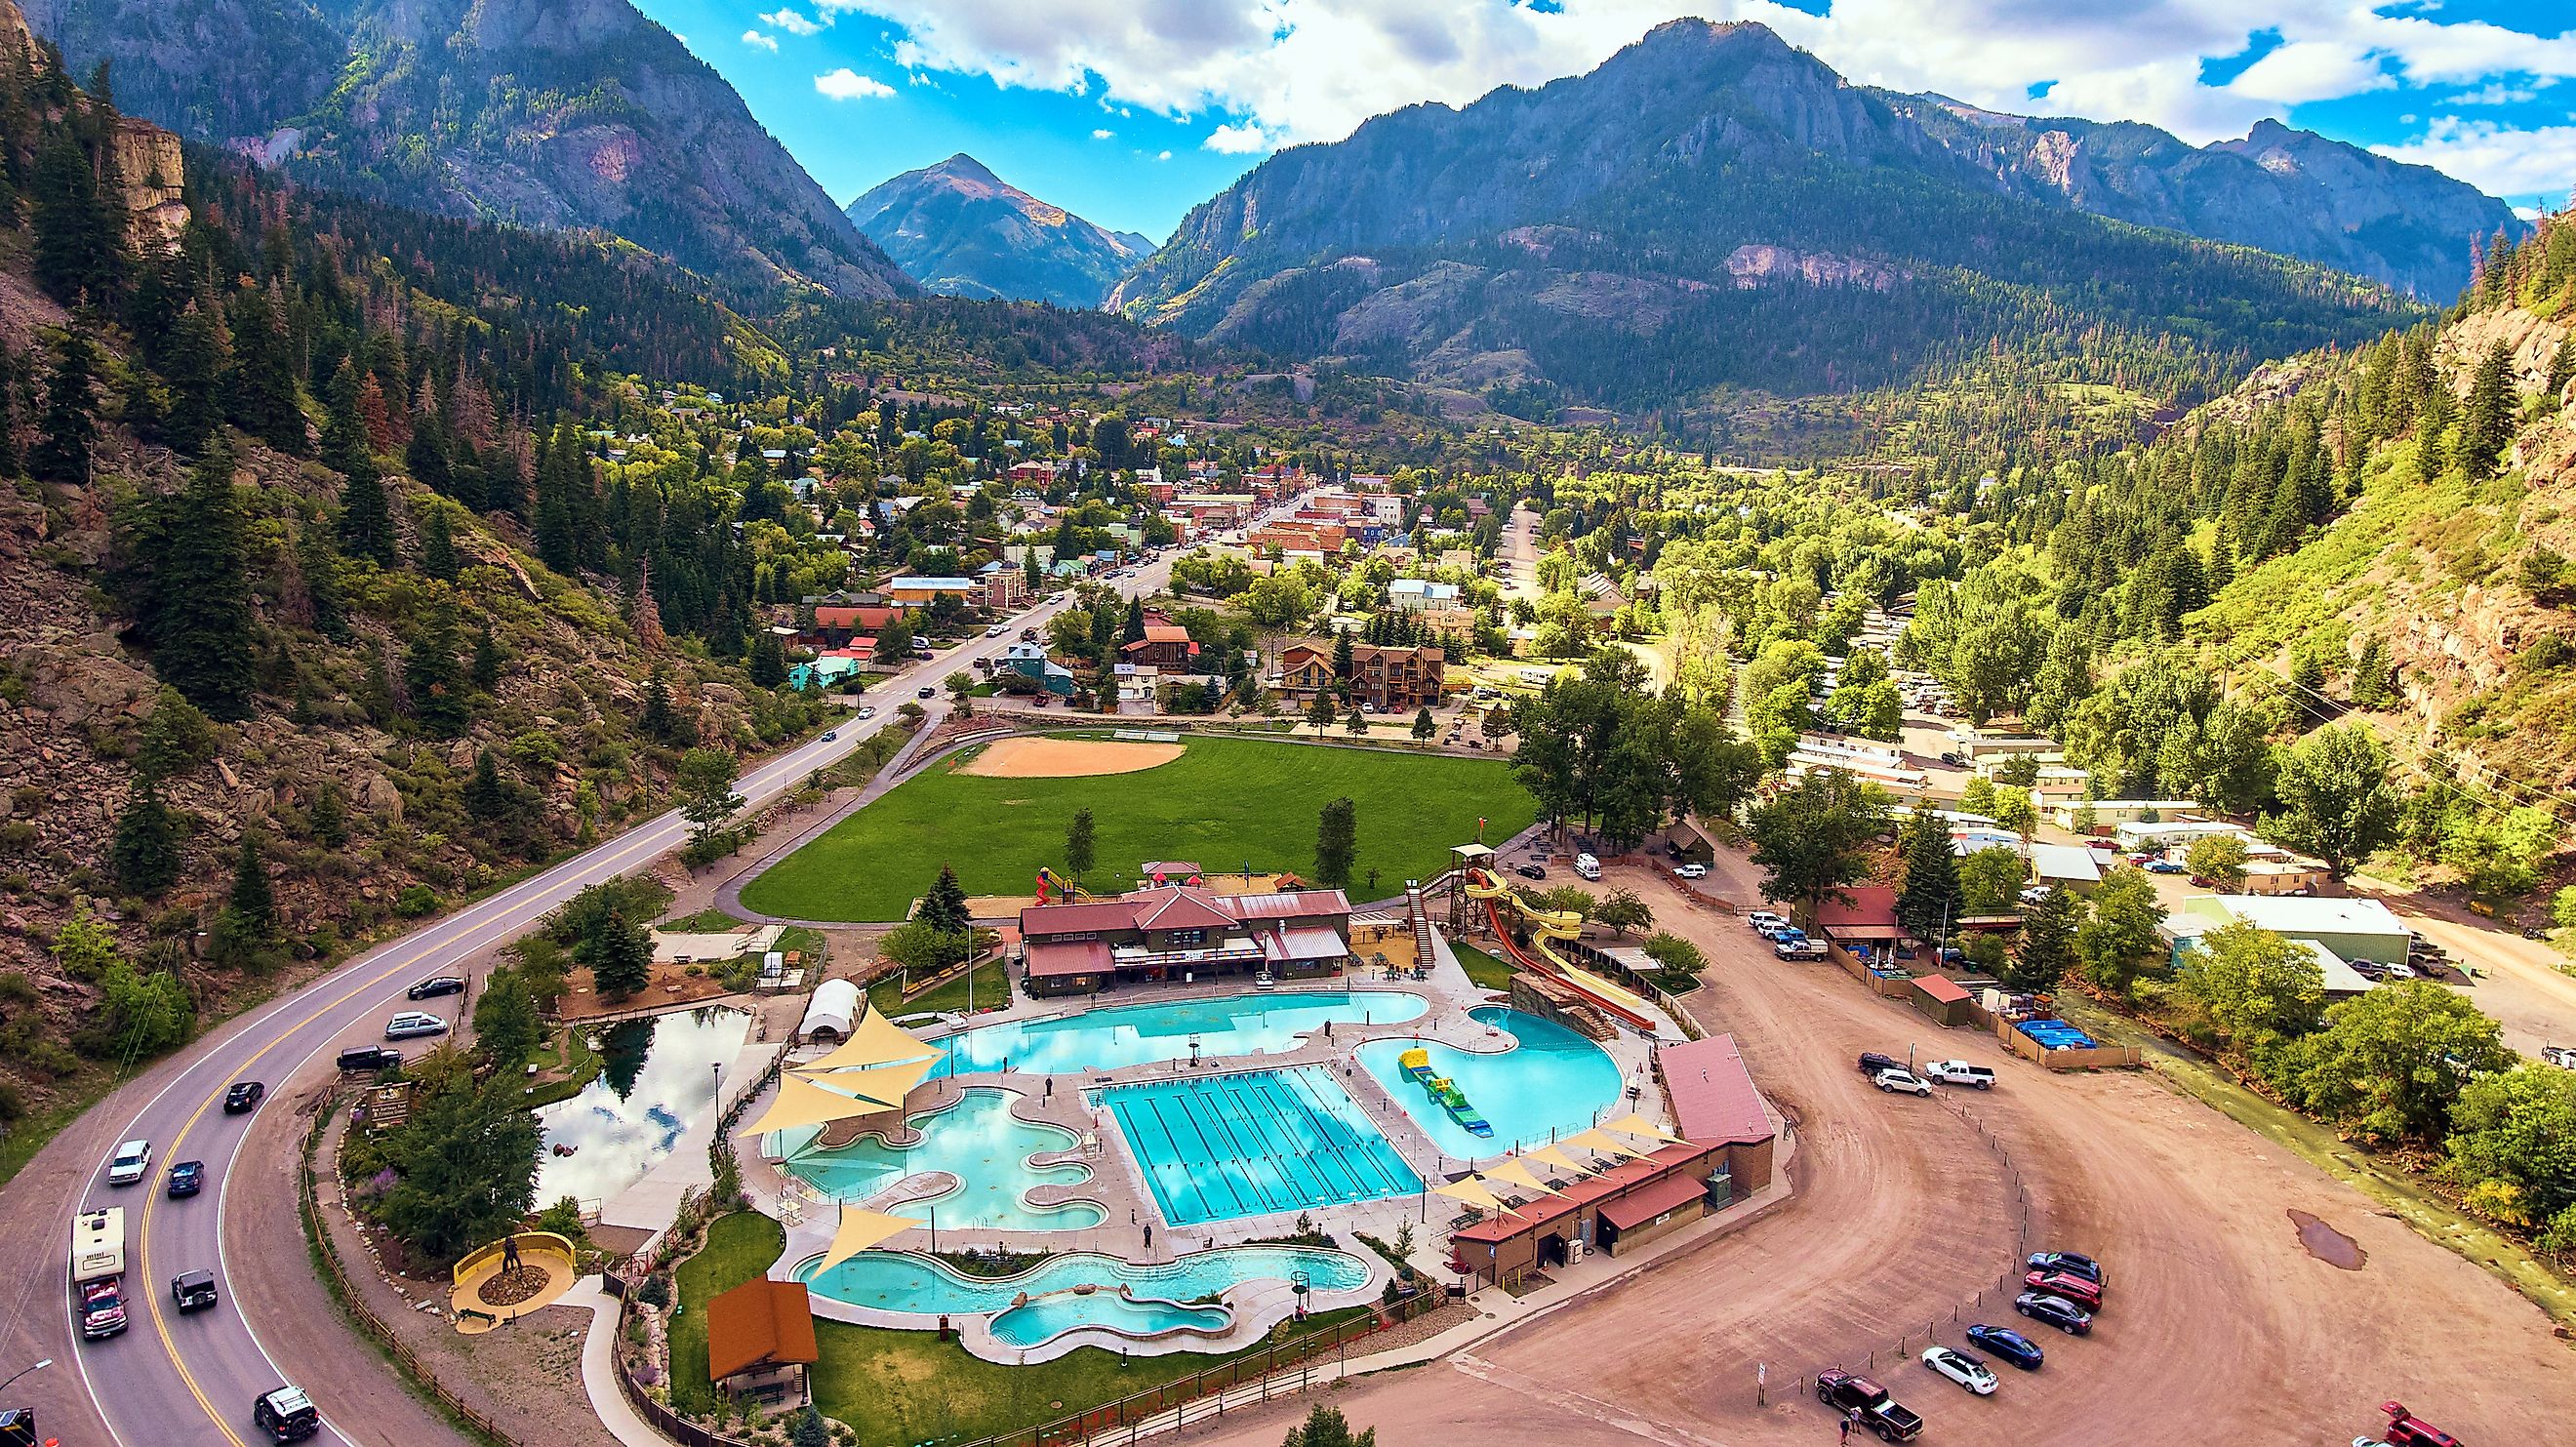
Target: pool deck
(1134,1226)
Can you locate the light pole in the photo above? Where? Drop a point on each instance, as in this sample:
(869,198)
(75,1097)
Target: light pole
(22,1371)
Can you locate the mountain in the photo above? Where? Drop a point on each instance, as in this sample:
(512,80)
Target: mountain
(571,114)
(1709,209)
(2284,190)
(960,230)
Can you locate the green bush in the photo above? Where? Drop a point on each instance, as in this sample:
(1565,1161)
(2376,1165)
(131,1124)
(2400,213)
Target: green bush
(415,901)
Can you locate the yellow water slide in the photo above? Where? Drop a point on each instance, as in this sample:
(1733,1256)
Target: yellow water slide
(1555,924)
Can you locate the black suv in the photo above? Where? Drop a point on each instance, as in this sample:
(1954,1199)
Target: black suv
(1871,1062)
(370,1057)
(1847,1392)
(286,1415)
(437,985)
(193,1290)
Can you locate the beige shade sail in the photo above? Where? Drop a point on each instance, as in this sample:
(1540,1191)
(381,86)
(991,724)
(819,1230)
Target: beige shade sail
(1602,1141)
(1635,1124)
(1518,1175)
(1472,1191)
(1551,1156)
(860,1230)
(802,1103)
(885,1086)
(873,1042)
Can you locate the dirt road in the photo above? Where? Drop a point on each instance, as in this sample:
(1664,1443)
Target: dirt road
(1905,1210)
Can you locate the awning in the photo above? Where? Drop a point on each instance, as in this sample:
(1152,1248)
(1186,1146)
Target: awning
(879,1089)
(1049,960)
(860,1230)
(1302,942)
(1602,1141)
(874,1041)
(1651,1200)
(1518,1175)
(1551,1156)
(1865,931)
(1635,1124)
(1472,1191)
(800,1102)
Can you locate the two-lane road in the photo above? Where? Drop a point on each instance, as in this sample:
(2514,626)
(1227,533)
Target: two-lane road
(193,1379)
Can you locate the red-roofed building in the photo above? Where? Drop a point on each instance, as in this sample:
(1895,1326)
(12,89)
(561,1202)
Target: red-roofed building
(1941,999)
(1868,917)
(760,1340)
(1626,1205)
(1182,932)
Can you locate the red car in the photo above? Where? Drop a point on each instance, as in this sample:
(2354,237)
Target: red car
(2074,1288)
(2405,1429)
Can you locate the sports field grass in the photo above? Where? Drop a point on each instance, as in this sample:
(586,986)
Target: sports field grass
(1223,804)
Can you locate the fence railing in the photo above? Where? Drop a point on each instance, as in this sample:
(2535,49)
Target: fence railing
(353,1300)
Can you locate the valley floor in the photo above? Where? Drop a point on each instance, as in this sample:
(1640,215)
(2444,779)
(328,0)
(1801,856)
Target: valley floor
(1906,1211)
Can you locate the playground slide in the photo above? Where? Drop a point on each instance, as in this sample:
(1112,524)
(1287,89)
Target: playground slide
(1416,1064)
(1052,883)
(1546,925)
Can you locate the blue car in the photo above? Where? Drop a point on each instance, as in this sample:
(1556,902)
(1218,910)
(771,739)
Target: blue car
(187,1178)
(2009,1344)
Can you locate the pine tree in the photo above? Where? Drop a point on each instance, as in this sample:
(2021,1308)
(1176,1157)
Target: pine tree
(1336,842)
(943,908)
(768,666)
(434,678)
(1343,660)
(70,430)
(1133,630)
(319,561)
(192,366)
(657,720)
(366,523)
(246,927)
(438,545)
(1080,846)
(259,391)
(80,255)
(196,606)
(144,856)
(486,798)
(2047,943)
(2487,424)
(486,671)
(1930,899)
(621,957)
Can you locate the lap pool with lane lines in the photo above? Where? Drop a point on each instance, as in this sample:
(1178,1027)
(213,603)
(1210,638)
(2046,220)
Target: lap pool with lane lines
(1123,1035)
(1215,1147)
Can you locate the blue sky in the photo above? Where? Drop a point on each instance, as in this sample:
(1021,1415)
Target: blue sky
(1130,111)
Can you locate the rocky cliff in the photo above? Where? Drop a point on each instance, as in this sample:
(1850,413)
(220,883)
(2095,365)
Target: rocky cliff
(564,114)
(960,230)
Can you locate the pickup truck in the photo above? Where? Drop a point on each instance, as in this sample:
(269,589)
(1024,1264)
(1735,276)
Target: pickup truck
(1847,1392)
(1957,1072)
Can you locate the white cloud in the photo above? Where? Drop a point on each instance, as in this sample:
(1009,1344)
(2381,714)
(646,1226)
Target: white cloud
(1163,156)
(795,24)
(1306,70)
(2497,159)
(2497,93)
(765,42)
(848,84)
(1102,135)
(1234,140)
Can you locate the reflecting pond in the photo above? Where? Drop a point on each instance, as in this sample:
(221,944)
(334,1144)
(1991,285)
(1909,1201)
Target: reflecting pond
(657,1078)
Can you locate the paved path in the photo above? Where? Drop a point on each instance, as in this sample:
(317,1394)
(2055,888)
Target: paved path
(193,1380)
(599,1367)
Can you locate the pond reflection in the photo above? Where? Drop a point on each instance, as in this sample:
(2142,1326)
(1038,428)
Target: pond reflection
(657,1077)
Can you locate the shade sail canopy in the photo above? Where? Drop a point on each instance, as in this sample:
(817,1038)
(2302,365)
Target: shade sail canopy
(1518,1175)
(1551,1156)
(881,1088)
(874,1041)
(800,1102)
(1603,1141)
(860,1230)
(1635,1124)
(1472,1191)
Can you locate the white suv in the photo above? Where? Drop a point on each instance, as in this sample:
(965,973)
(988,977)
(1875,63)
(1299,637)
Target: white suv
(132,1163)
(1901,1080)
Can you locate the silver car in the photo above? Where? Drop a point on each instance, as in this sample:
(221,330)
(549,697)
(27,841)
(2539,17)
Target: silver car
(1960,1367)
(412,1023)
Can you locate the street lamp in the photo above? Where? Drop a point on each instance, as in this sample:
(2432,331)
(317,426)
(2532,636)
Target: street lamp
(22,1371)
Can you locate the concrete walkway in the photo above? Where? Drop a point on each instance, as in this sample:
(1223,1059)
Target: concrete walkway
(599,1366)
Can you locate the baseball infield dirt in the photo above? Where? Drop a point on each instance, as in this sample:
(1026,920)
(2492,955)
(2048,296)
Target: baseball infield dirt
(2220,1324)
(1066,758)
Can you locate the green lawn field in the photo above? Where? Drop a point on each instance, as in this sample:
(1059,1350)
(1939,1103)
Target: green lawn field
(1222,804)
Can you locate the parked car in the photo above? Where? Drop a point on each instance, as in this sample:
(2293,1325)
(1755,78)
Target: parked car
(2057,1311)
(2086,1294)
(435,986)
(1761,918)
(1962,1368)
(2400,970)
(1879,1412)
(1799,949)
(1904,1081)
(1954,758)
(1958,1072)
(369,1057)
(2072,1263)
(2560,1055)
(1871,1062)
(187,1178)
(1691,871)
(2166,866)
(193,1290)
(411,1024)
(2009,1344)
(286,1415)
(132,1162)
(2038,893)
(244,1095)
(1532,871)
(2405,1429)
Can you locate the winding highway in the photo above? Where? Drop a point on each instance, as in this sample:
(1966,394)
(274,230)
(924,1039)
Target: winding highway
(193,1379)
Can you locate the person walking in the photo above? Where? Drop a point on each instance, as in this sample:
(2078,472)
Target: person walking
(1846,1426)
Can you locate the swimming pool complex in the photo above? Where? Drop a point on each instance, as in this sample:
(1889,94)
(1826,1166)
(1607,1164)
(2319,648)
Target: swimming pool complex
(1122,1035)
(1551,1084)
(1214,1147)
(1158,1297)
(981,1144)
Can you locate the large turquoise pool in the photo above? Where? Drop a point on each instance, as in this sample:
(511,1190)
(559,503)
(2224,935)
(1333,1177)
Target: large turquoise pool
(1159,1297)
(979,1142)
(1553,1083)
(1258,1142)
(1106,1039)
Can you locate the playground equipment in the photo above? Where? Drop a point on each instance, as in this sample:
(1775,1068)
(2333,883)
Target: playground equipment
(1066,891)
(1546,925)
(1416,1065)
(543,1251)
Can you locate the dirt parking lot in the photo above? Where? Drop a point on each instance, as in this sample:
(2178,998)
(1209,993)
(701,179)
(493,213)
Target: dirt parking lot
(1905,1210)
